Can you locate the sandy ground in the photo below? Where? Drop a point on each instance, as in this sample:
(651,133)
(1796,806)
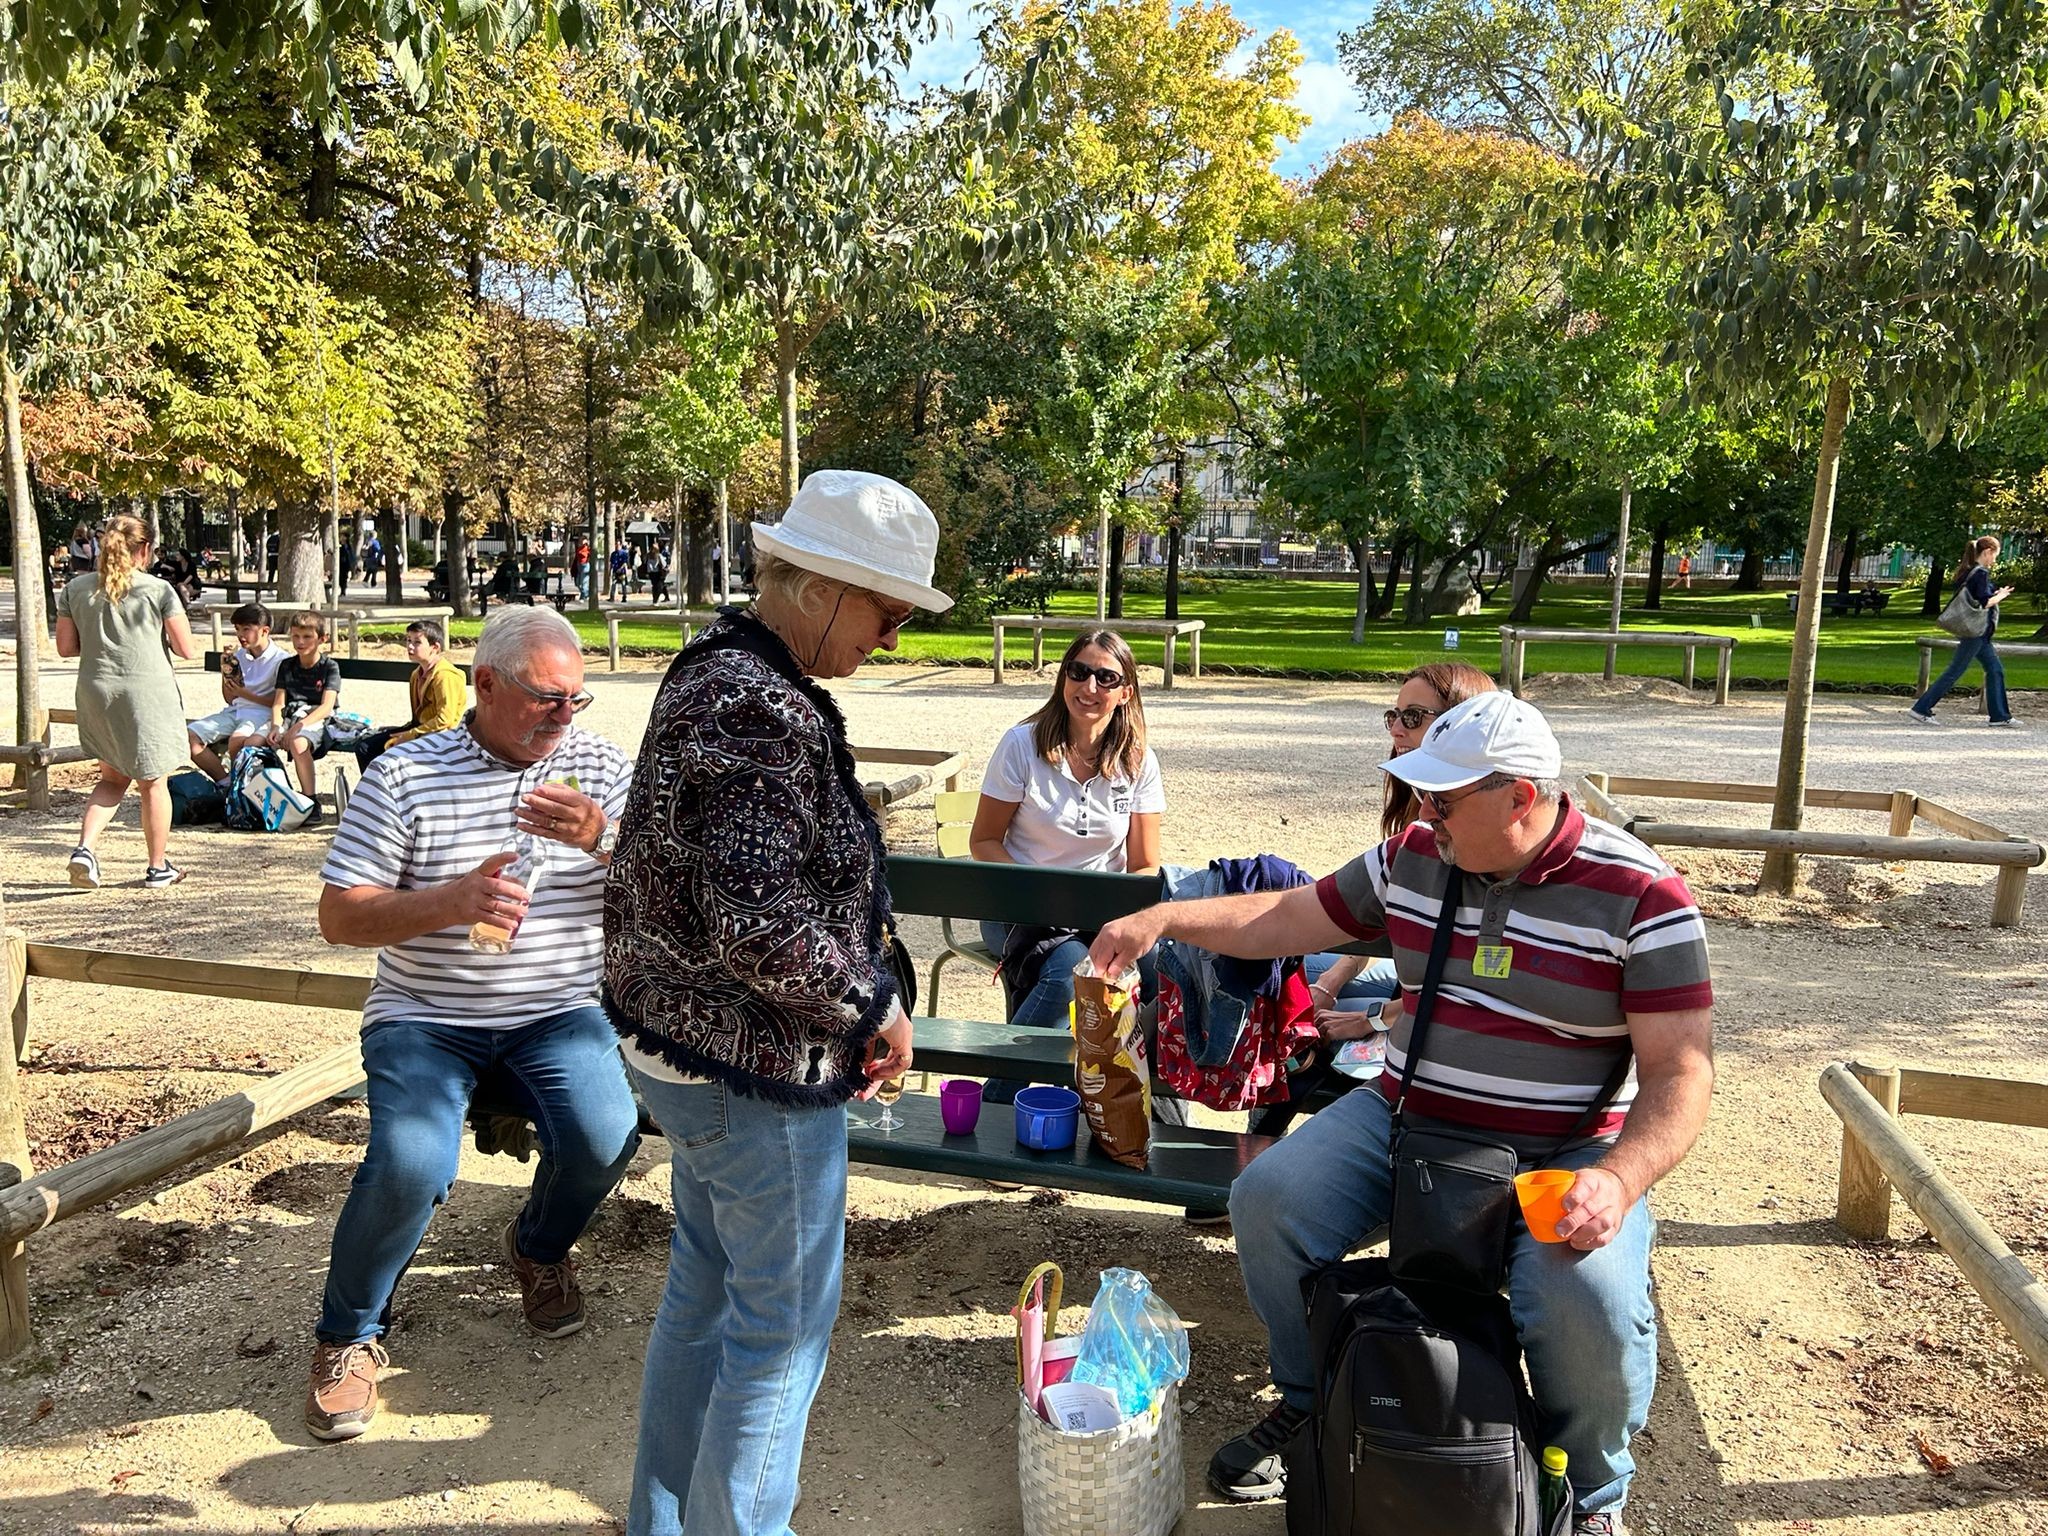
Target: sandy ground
(1808,1383)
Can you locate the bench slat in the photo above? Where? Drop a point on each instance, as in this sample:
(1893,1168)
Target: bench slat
(1188,1166)
(960,888)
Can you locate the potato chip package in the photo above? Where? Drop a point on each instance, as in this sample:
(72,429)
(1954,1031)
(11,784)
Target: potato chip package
(1109,1063)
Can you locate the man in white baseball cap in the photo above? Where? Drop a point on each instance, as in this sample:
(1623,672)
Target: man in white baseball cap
(1568,1024)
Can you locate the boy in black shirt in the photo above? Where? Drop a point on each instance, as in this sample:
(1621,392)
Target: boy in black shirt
(308,685)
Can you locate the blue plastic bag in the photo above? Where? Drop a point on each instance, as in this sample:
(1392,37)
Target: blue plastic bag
(1134,1345)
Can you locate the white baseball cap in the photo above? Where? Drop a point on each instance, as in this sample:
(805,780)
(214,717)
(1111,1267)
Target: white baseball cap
(864,530)
(1488,733)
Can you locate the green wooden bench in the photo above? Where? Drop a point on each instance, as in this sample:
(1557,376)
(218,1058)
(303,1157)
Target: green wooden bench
(366,669)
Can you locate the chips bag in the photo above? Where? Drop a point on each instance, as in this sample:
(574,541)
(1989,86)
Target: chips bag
(1109,1063)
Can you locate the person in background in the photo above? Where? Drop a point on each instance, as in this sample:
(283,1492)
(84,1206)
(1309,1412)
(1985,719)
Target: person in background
(308,687)
(83,551)
(1975,578)
(248,689)
(117,621)
(579,568)
(419,859)
(1685,571)
(373,559)
(1342,985)
(657,574)
(747,973)
(439,694)
(1074,787)
(622,571)
(348,563)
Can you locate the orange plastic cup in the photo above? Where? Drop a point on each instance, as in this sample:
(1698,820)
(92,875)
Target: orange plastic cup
(1541,1191)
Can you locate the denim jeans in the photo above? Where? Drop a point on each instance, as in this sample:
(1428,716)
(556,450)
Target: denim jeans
(1376,983)
(745,1320)
(1976,648)
(565,1071)
(1587,1324)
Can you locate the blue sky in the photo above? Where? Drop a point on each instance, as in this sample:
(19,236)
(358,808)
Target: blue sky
(1323,91)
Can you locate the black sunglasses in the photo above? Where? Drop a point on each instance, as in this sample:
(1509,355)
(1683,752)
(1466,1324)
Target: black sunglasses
(1411,717)
(1105,677)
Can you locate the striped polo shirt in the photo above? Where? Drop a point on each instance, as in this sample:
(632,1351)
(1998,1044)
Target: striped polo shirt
(1531,1015)
(429,811)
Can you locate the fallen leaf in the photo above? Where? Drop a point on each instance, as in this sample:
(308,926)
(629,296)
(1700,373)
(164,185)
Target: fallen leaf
(1937,1463)
(122,1477)
(43,1409)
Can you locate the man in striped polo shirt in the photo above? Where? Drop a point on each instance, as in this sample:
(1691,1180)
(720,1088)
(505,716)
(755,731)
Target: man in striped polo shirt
(1575,946)
(421,857)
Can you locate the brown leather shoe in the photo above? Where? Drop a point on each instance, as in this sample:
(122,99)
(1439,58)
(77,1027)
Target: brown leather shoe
(341,1397)
(548,1293)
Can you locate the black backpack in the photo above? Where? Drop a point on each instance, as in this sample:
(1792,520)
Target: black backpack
(1423,1419)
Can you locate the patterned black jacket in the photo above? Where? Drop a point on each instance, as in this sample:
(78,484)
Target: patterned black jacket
(745,911)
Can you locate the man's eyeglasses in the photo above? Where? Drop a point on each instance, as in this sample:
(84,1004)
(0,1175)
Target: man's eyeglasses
(1412,717)
(1438,806)
(1106,678)
(577,702)
(893,619)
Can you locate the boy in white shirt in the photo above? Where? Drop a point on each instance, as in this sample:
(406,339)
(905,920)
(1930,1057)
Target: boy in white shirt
(248,688)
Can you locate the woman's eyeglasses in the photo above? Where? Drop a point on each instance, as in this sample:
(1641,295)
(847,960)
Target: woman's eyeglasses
(1412,718)
(1106,678)
(892,619)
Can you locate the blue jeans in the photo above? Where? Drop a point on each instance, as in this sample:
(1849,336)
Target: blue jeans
(1976,648)
(746,1318)
(1376,983)
(1586,1320)
(564,1071)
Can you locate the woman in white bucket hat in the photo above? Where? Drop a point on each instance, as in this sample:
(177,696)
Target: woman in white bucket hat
(747,974)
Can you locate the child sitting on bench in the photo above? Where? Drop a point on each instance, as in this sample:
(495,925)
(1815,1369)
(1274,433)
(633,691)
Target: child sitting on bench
(439,695)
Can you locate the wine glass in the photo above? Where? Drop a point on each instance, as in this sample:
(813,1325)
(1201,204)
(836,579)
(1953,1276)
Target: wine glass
(887,1092)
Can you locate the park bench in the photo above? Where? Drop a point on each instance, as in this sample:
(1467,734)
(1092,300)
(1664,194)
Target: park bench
(351,619)
(1169,630)
(1835,604)
(1514,641)
(1929,643)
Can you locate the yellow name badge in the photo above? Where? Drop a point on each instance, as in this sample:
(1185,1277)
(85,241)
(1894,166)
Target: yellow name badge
(1493,961)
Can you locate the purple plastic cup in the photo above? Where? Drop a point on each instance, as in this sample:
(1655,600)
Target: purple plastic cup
(959,1105)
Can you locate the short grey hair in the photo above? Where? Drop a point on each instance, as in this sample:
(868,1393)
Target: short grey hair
(513,634)
(1550,790)
(803,590)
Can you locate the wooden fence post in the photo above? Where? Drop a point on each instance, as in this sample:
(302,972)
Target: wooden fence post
(2008,897)
(1905,806)
(1863,1196)
(14,1164)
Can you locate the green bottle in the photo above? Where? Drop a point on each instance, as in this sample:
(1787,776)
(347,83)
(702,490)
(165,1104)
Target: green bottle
(1554,1489)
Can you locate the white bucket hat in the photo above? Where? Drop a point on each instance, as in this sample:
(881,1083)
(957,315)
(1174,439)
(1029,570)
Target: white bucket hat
(1488,733)
(862,529)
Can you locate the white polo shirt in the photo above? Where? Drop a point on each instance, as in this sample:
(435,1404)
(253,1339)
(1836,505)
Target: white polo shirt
(1061,824)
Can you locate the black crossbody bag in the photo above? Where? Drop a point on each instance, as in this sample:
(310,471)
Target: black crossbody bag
(1454,1207)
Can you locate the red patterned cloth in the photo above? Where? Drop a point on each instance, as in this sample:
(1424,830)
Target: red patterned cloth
(1279,1029)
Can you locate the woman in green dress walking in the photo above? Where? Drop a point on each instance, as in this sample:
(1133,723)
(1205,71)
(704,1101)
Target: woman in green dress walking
(122,623)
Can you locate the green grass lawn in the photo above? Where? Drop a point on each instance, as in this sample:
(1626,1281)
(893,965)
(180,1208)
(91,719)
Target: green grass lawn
(1305,626)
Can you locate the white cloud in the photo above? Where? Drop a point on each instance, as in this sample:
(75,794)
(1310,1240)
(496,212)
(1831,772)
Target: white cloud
(1326,93)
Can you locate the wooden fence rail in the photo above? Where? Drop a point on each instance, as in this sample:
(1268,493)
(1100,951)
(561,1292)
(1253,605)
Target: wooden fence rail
(1515,638)
(1878,1156)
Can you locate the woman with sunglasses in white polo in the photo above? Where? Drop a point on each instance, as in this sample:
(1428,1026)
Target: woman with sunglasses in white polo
(1073,787)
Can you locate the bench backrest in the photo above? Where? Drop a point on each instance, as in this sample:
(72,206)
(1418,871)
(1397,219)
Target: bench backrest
(362,669)
(1015,893)
(954,810)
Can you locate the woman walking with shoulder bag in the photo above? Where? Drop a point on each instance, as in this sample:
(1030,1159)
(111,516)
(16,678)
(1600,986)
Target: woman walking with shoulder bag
(1974,605)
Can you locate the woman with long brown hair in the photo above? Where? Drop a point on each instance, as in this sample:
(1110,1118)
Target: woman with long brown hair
(1979,555)
(1343,985)
(121,622)
(1073,787)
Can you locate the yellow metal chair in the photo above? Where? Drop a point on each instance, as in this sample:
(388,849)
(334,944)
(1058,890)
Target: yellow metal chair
(954,811)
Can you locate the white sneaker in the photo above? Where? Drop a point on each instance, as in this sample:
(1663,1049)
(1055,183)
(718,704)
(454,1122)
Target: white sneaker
(2005,725)
(1923,719)
(85,869)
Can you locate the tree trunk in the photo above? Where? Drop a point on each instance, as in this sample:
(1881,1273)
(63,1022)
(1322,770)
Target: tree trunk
(1781,870)
(724,571)
(29,720)
(702,518)
(785,399)
(1102,559)
(1180,470)
(391,529)
(1847,571)
(1415,606)
(1654,598)
(602,552)
(1749,577)
(1116,568)
(299,564)
(1383,604)
(238,542)
(453,504)
(1618,574)
(1361,554)
(1935,597)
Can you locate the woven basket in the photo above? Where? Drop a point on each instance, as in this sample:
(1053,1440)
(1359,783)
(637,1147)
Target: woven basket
(1124,1481)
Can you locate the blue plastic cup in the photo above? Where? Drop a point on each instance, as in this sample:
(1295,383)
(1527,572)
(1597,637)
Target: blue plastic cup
(1047,1118)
